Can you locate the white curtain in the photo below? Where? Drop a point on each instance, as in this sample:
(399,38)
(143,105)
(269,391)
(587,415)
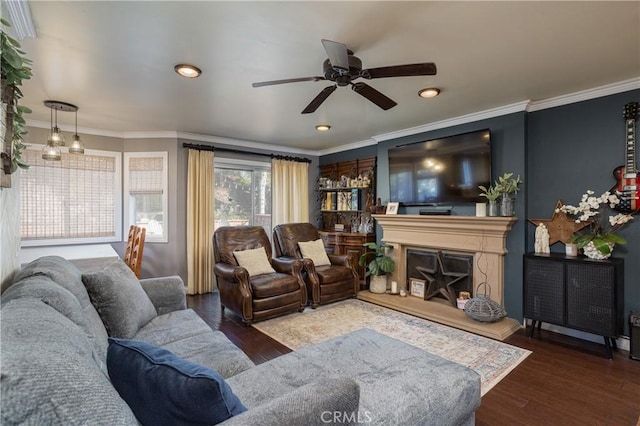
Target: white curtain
(200,193)
(290,189)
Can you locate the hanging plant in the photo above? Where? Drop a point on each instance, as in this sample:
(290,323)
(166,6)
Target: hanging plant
(15,69)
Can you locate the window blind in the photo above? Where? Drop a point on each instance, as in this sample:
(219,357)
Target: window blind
(72,199)
(146,175)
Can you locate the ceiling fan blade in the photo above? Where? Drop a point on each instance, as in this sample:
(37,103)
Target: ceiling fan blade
(337,53)
(318,100)
(288,80)
(428,68)
(373,95)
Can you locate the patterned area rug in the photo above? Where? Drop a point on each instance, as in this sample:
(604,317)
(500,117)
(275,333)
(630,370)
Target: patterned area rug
(492,359)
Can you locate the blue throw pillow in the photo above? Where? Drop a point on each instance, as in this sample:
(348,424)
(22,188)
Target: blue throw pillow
(163,389)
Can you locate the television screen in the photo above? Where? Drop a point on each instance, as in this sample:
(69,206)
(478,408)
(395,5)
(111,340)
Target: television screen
(441,171)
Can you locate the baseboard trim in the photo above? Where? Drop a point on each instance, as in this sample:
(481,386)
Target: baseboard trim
(623,342)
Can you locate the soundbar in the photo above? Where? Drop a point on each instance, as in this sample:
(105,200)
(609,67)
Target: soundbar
(437,210)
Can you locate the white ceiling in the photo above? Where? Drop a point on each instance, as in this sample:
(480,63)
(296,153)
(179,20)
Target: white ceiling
(115,61)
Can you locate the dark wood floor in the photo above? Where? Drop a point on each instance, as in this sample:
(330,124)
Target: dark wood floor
(565,381)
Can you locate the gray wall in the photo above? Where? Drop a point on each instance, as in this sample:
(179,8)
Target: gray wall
(559,152)
(573,148)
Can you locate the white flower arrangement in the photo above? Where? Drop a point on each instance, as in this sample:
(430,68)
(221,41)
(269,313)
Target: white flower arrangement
(600,231)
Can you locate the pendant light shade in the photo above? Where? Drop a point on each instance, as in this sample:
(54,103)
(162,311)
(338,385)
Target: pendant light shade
(51,152)
(77,147)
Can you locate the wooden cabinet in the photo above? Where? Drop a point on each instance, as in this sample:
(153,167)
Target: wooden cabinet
(349,243)
(575,292)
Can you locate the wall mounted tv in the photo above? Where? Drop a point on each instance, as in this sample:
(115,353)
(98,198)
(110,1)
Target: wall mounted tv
(441,171)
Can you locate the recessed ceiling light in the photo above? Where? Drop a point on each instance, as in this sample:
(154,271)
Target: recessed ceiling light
(429,92)
(187,70)
(323,127)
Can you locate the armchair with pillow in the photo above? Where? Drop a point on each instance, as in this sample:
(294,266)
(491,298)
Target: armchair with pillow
(252,283)
(329,278)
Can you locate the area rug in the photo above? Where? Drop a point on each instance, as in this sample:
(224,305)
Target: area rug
(491,359)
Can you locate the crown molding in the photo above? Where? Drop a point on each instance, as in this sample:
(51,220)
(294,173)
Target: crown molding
(455,121)
(585,95)
(246,144)
(347,147)
(528,106)
(20,17)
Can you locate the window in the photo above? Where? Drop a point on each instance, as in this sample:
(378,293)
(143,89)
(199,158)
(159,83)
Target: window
(71,201)
(145,188)
(242,193)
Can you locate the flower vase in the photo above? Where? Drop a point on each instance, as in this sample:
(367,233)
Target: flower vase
(493,208)
(592,252)
(506,206)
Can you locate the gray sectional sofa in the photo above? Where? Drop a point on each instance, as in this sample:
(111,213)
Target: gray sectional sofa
(54,349)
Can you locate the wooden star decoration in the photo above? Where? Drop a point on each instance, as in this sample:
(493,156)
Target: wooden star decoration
(560,227)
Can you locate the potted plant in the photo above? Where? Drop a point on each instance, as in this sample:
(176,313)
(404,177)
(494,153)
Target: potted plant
(492,193)
(598,238)
(15,69)
(378,266)
(508,186)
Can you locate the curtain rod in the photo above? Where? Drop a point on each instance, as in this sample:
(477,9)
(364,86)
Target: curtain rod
(237,151)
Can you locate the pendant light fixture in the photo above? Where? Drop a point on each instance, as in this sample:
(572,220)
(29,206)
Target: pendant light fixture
(51,152)
(56,139)
(77,147)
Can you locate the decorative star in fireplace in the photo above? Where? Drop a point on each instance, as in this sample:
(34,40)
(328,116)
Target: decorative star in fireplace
(441,282)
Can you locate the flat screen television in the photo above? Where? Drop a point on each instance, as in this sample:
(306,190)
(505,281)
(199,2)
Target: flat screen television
(441,171)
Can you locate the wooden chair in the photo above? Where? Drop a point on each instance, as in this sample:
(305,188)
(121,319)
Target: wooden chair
(135,246)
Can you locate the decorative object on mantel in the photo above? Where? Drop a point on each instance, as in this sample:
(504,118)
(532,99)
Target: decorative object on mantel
(542,239)
(560,227)
(15,69)
(482,308)
(571,249)
(491,194)
(597,238)
(505,188)
(508,186)
(379,208)
(378,266)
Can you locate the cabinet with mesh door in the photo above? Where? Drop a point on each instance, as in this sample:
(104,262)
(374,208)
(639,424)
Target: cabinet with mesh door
(575,292)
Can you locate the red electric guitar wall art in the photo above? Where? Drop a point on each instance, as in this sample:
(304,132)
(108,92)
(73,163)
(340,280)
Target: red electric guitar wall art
(628,176)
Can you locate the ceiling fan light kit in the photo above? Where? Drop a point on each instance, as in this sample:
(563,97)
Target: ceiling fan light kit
(342,68)
(188,71)
(429,92)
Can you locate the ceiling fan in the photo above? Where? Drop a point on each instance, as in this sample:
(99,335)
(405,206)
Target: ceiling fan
(342,68)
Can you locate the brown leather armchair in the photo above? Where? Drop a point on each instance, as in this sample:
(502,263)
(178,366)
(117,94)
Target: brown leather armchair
(327,283)
(255,298)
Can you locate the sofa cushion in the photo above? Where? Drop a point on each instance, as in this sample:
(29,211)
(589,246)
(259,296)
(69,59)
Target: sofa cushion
(255,261)
(120,300)
(186,335)
(315,251)
(50,371)
(419,388)
(163,389)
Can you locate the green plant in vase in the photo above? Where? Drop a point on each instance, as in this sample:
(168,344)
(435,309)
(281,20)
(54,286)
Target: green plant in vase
(508,187)
(378,264)
(492,193)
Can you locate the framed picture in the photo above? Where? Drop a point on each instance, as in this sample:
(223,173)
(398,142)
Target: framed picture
(392,208)
(417,287)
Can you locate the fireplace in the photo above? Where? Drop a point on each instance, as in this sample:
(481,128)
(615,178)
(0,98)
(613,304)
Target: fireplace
(445,274)
(477,241)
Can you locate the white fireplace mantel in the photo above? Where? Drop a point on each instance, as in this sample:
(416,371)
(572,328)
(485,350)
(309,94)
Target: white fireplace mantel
(484,237)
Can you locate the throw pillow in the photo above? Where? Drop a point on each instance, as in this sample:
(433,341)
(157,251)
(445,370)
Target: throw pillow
(117,295)
(315,251)
(163,389)
(255,261)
